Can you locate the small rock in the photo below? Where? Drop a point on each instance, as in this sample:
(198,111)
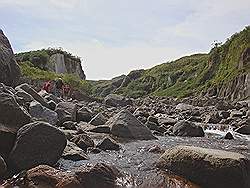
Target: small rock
(186,128)
(108,144)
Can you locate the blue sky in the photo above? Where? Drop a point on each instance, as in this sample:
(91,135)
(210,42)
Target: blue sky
(114,37)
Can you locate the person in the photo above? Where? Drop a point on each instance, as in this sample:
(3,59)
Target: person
(59,87)
(66,91)
(47,86)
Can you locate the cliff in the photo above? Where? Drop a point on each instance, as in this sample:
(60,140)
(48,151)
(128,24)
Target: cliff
(223,72)
(55,60)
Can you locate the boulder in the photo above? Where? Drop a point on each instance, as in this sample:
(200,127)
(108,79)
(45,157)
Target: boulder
(83,141)
(70,125)
(100,175)
(9,70)
(116,100)
(229,136)
(187,128)
(42,113)
(83,114)
(69,108)
(213,117)
(125,125)
(24,95)
(7,141)
(167,120)
(100,129)
(37,143)
(99,119)
(73,152)
(207,167)
(25,87)
(244,129)
(184,107)
(3,167)
(108,144)
(12,115)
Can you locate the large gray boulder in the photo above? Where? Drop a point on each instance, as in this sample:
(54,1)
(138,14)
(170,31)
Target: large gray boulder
(99,119)
(187,128)
(125,125)
(68,108)
(37,143)
(42,113)
(12,115)
(208,167)
(9,69)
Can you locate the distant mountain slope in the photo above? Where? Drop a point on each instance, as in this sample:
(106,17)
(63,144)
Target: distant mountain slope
(223,72)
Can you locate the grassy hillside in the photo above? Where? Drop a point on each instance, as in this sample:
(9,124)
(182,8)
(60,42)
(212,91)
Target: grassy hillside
(190,75)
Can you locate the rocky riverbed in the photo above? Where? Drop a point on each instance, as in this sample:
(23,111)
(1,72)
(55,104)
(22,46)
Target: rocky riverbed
(120,142)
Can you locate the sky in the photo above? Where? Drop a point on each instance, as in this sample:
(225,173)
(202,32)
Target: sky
(113,37)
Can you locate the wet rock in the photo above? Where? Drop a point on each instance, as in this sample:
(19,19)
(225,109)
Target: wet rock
(12,115)
(83,141)
(221,168)
(125,125)
(156,149)
(3,167)
(116,100)
(37,143)
(44,176)
(244,129)
(9,69)
(84,114)
(100,175)
(186,128)
(7,140)
(229,136)
(42,113)
(25,87)
(108,144)
(73,152)
(99,119)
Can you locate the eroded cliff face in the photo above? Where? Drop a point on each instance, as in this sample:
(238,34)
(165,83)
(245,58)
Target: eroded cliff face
(61,64)
(239,87)
(9,70)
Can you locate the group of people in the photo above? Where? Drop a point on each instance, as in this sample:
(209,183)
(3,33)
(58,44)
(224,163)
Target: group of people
(58,88)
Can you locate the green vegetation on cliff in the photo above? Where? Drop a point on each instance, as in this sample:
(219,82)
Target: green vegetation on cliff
(189,75)
(34,73)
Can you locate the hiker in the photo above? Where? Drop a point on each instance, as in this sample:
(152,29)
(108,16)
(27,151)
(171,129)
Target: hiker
(59,87)
(66,91)
(48,86)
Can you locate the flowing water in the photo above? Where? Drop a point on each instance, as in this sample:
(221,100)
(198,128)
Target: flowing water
(137,161)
